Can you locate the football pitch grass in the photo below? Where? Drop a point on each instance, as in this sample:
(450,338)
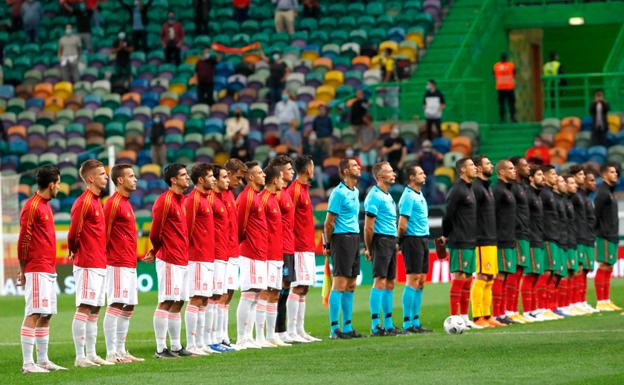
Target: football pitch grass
(578,350)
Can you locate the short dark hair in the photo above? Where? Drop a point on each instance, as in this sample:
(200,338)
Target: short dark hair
(432,81)
(46,175)
(235,165)
(516,159)
(410,170)
(547,167)
(118,171)
(271,173)
(343,165)
(280,161)
(477,160)
(589,171)
(171,171)
(533,169)
(567,175)
(216,170)
(302,163)
(575,169)
(460,164)
(87,166)
(200,170)
(606,166)
(249,166)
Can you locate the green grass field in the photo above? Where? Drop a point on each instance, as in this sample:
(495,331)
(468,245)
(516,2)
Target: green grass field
(580,350)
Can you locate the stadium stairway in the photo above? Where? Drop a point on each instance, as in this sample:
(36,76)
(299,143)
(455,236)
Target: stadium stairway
(448,40)
(499,141)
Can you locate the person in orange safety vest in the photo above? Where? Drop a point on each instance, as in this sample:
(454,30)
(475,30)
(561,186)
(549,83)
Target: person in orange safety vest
(504,72)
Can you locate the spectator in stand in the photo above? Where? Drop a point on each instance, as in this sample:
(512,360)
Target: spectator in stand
(3,133)
(428,159)
(16,14)
(286,111)
(599,110)
(95,18)
(277,78)
(205,71)
(359,110)
(504,74)
(395,150)
(323,128)
(433,104)
(240,150)
(171,38)
(159,148)
(122,49)
(368,144)
(202,16)
(539,153)
(138,19)
(69,48)
(237,126)
(311,8)
(83,23)
(293,139)
(32,14)
(285,14)
(241,10)
(388,68)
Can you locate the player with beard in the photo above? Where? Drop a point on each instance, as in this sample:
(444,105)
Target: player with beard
(587,239)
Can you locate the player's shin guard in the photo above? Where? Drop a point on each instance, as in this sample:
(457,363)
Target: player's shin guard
(261,309)
(347,311)
(486,307)
(375,307)
(123,324)
(292,306)
(225,334)
(583,283)
(408,305)
(271,319)
(335,303)
(476,297)
(92,332)
(511,288)
(79,333)
(161,322)
(174,328)
(190,323)
(498,300)
(465,297)
(201,326)
(527,287)
(42,338)
(386,307)
(607,286)
(541,292)
(280,326)
(210,316)
(243,314)
(600,281)
(455,296)
(553,282)
(27,338)
(110,330)
(301,315)
(516,298)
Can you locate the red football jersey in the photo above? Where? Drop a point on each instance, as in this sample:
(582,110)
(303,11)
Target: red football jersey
(121,233)
(252,230)
(169,233)
(288,221)
(222,229)
(87,232)
(230,204)
(200,224)
(37,239)
(274,222)
(304,218)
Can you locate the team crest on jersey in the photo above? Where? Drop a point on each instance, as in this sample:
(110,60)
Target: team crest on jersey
(465,263)
(97,213)
(274,210)
(509,264)
(45,218)
(287,205)
(128,214)
(538,265)
(488,266)
(523,258)
(91,295)
(125,293)
(176,291)
(259,209)
(205,286)
(44,302)
(221,210)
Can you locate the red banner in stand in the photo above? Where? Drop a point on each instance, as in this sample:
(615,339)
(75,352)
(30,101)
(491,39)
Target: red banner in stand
(233,50)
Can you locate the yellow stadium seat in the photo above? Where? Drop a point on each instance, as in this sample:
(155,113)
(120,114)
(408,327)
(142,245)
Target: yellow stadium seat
(325,93)
(417,38)
(63,90)
(151,169)
(178,88)
(393,45)
(450,129)
(334,78)
(309,55)
(54,104)
(193,59)
(314,105)
(615,123)
(408,52)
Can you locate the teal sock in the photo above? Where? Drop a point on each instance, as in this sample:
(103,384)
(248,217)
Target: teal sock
(347,311)
(335,300)
(408,306)
(416,310)
(386,305)
(375,307)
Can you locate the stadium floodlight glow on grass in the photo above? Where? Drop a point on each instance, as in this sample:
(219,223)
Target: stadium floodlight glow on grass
(577,20)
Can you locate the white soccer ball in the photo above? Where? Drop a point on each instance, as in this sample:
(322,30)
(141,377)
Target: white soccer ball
(454,325)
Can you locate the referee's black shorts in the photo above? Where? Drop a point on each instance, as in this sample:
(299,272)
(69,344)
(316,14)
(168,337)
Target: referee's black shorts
(415,254)
(345,255)
(384,256)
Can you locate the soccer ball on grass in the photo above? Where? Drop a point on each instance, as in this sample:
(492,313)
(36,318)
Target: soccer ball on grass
(454,325)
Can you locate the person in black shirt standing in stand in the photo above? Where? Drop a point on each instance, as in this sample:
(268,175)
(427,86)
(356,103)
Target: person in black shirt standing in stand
(205,70)
(395,150)
(277,78)
(505,200)
(459,230)
(487,262)
(122,50)
(607,234)
(359,111)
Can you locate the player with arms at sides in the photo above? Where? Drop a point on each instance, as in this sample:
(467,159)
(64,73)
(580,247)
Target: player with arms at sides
(569,293)
(413,234)
(607,232)
(304,263)
(580,220)
(87,249)
(266,310)
(37,257)
(169,236)
(459,232)
(380,239)
(486,257)
(199,205)
(552,250)
(236,170)
(560,271)
(520,188)
(342,243)
(587,239)
(254,246)
(214,331)
(503,291)
(121,261)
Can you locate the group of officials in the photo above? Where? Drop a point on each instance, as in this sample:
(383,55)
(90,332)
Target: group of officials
(536,233)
